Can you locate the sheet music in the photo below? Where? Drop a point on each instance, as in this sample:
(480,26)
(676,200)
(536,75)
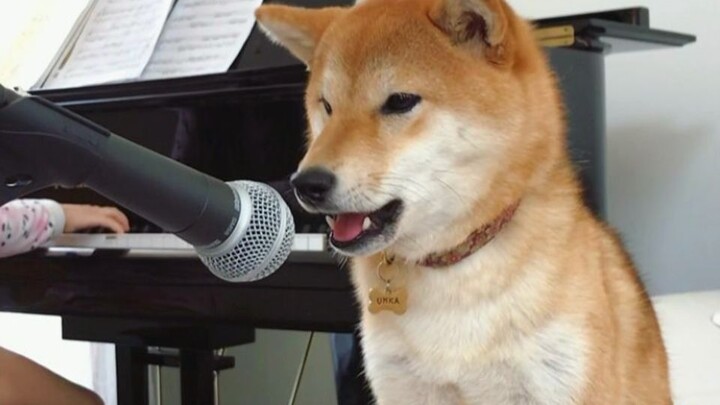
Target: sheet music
(116,43)
(31,34)
(202,37)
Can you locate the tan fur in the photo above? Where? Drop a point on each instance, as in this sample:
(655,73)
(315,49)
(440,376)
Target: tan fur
(551,311)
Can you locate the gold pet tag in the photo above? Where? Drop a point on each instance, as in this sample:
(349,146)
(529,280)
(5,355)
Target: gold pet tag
(387,298)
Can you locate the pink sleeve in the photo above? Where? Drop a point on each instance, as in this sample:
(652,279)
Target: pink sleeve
(27,224)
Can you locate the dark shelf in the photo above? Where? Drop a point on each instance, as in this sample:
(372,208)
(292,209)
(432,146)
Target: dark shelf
(638,16)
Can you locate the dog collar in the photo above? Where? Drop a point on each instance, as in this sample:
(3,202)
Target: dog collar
(476,240)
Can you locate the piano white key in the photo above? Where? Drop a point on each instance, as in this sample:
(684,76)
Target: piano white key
(317,243)
(64,251)
(299,243)
(163,241)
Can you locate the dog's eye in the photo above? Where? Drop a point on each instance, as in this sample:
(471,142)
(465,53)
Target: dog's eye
(326,105)
(400,103)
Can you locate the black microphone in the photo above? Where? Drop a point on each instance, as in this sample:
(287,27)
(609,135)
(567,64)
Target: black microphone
(242,231)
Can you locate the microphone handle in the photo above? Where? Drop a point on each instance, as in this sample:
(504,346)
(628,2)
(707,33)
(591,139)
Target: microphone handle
(198,208)
(42,144)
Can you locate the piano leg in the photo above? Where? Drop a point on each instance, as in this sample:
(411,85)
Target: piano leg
(196,342)
(197,371)
(132,375)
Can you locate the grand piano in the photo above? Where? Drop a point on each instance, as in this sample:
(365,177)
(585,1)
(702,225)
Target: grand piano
(147,289)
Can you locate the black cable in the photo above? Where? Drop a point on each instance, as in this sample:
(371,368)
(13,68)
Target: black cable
(301,370)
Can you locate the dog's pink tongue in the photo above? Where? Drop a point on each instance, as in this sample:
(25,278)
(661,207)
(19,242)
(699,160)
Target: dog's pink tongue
(348,227)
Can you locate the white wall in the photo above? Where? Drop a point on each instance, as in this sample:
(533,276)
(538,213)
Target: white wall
(40,339)
(663,142)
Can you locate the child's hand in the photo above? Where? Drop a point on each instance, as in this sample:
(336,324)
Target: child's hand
(79,217)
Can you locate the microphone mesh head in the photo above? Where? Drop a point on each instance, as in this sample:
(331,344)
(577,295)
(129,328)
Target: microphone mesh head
(262,239)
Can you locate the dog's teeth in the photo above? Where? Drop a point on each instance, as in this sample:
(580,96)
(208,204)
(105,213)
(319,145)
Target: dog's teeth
(330,221)
(367,223)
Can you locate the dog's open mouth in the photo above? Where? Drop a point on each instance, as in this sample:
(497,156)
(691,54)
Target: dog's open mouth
(353,228)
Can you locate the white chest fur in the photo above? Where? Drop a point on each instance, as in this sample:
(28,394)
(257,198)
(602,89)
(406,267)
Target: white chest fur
(452,349)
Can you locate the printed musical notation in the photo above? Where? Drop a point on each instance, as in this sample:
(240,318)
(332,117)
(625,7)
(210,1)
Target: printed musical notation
(115,45)
(202,37)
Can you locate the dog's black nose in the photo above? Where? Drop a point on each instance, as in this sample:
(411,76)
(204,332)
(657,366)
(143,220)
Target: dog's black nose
(313,185)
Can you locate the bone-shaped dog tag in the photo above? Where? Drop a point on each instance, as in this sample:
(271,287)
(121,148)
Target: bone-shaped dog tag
(387,299)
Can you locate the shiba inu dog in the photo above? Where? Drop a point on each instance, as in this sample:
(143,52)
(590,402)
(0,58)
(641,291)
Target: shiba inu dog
(437,150)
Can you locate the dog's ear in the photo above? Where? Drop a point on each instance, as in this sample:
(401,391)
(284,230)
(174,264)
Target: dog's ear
(297,29)
(482,25)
